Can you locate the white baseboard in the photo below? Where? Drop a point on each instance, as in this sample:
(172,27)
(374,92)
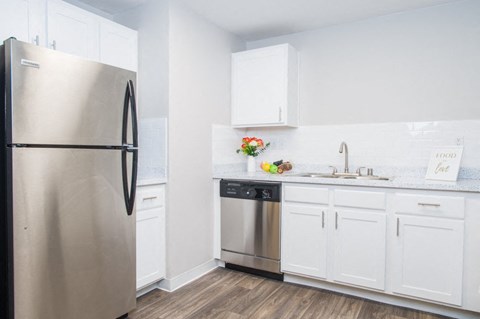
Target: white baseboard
(147,289)
(174,283)
(382,297)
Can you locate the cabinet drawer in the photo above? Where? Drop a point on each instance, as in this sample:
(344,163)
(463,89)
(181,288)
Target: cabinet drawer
(150,197)
(306,194)
(430,205)
(360,199)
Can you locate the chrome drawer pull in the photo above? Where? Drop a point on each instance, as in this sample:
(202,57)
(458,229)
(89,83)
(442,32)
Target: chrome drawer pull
(151,197)
(428,204)
(398,226)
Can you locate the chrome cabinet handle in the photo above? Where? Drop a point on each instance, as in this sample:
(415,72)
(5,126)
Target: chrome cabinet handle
(323,219)
(428,204)
(279,114)
(36,40)
(149,198)
(398,226)
(336,220)
(54,45)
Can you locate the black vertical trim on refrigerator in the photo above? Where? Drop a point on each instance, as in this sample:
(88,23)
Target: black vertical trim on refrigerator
(6,215)
(129,104)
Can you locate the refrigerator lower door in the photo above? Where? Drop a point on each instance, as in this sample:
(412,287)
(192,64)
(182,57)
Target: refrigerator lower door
(74,244)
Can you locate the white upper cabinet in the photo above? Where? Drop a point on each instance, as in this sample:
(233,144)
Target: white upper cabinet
(118,45)
(72,30)
(67,28)
(23,19)
(265,87)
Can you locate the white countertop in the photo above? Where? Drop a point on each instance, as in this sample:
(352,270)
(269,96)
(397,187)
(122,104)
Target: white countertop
(465,185)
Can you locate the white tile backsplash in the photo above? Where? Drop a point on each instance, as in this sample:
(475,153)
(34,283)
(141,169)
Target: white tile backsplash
(152,148)
(396,145)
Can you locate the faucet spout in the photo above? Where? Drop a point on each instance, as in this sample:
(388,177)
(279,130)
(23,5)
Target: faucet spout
(343,146)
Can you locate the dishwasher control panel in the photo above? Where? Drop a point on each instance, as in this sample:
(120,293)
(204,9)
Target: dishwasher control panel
(250,190)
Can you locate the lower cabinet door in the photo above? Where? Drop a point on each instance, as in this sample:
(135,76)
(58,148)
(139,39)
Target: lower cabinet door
(150,246)
(304,240)
(428,258)
(359,244)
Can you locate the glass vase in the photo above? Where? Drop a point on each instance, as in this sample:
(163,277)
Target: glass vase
(251,164)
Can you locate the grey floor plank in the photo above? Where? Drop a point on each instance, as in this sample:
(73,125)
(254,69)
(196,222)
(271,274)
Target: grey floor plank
(228,294)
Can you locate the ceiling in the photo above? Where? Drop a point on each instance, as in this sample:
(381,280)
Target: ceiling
(258,19)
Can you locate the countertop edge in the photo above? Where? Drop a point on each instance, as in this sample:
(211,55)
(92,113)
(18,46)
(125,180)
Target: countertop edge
(467,186)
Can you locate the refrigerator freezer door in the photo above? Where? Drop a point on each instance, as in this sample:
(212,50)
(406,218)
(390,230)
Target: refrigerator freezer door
(74,244)
(60,99)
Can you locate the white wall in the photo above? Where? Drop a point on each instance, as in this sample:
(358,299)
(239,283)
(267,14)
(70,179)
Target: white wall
(151,21)
(184,73)
(418,65)
(199,96)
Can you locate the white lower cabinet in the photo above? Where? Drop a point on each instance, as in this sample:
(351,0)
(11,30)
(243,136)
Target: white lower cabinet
(150,235)
(304,238)
(359,248)
(428,250)
(414,244)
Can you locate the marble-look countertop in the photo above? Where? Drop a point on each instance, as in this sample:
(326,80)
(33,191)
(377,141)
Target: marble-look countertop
(402,182)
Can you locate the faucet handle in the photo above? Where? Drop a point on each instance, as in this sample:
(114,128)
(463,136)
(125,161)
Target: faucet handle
(334,169)
(359,170)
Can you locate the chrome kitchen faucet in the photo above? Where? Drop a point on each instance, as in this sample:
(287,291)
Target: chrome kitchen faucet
(344,146)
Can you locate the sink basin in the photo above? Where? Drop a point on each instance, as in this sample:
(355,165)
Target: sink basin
(368,177)
(320,175)
(343,176)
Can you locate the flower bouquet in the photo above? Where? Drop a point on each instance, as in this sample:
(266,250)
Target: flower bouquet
(252,147)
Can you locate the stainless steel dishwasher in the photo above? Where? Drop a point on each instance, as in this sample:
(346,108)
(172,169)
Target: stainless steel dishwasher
(250,226)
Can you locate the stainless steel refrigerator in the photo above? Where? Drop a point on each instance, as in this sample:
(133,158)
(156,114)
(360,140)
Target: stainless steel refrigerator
(68,176)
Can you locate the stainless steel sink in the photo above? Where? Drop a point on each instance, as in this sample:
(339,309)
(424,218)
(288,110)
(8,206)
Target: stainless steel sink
(318,175)
(343,176)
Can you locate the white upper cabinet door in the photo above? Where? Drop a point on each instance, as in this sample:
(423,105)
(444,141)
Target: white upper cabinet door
(23,20)
(265,87)
(304,240)
(118,45)
(72,30)
(428,258)
(359,245)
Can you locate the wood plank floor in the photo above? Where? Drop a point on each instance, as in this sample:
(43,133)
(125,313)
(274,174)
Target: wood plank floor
(229,294)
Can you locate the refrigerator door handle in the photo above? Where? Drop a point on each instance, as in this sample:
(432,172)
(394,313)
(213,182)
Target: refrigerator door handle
(129,195)
(129,104)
